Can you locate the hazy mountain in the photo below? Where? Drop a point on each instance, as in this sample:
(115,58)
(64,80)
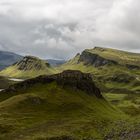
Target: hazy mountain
(54,62)
(8,58)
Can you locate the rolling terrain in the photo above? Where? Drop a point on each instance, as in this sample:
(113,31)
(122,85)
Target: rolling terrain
(61,106)
(69,105)
(114,70)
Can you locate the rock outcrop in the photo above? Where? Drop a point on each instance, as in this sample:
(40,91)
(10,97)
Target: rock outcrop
(30,62)
(94,59)
(69,78)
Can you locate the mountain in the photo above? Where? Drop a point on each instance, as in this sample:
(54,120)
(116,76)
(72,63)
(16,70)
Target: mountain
(102,56)
(113,70)
(28,67)
(8,58)
(64,106)
(54,62)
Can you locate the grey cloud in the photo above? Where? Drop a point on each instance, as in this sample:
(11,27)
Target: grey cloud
(52,29)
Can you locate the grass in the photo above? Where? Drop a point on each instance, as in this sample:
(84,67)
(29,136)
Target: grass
(52,112)
(45,111)
(128,103)
(13,71)
(120,56)
(111,78)
(108,78)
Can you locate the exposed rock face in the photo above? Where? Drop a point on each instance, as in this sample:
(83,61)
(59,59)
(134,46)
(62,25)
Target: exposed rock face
(29,63)
(94,59)
(69,78)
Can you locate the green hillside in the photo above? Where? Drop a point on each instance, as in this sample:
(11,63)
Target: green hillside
(28,67)
(122,57)
(116,73)
(113,70)
(66,106)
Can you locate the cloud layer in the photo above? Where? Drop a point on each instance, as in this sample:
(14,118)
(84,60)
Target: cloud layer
(60,29)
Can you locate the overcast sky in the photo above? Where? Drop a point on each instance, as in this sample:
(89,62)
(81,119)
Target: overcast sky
(61,28)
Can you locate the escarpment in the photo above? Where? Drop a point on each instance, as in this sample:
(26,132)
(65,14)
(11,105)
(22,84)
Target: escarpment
(67,79)
(94,59)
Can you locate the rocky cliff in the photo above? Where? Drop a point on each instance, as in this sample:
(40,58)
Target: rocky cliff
(30,62)
(94,59)
(69,78)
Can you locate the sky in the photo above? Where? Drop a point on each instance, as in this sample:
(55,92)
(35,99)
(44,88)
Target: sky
(59,29)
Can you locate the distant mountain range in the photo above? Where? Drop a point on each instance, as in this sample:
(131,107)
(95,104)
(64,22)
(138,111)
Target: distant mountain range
(8,58)
(113,70)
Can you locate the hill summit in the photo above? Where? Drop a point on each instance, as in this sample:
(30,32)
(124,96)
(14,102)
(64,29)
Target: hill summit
(28,67)
(99,56)
(31,62)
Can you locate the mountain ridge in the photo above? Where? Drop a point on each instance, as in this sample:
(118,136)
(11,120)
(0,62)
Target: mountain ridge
(8,58)
(107,64)
(69,78)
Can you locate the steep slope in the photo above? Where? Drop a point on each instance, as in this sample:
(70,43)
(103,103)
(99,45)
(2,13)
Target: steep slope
(113,70)
(8,58)
(61,106)
(105,56)
(28,67)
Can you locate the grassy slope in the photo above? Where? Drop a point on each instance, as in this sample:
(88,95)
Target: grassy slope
(127,101)
(13,70)
(49,111)
(120,56)
(104,75)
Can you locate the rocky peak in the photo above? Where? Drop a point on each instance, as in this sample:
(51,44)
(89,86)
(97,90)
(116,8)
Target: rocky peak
(31,62)
(94,59)
(69,78)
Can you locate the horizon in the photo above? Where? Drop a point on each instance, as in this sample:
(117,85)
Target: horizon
(24,55)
